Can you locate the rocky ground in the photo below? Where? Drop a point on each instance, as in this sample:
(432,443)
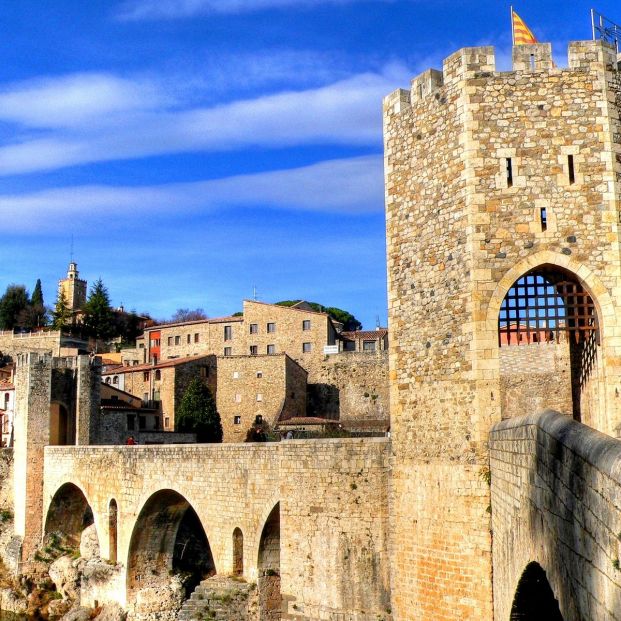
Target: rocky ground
(52,589)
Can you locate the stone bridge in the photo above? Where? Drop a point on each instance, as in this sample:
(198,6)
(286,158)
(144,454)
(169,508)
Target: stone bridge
(314,513)
(556,520)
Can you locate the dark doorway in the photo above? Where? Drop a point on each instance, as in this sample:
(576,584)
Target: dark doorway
(534,599)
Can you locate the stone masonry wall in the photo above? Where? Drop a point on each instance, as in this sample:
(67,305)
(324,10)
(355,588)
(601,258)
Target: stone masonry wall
(351,386)
(44,342)
(535,377)
(555,489)
(334,554)
(437,501)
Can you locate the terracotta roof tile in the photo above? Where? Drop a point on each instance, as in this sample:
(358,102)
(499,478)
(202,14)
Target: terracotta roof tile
(174,362)
(365,334)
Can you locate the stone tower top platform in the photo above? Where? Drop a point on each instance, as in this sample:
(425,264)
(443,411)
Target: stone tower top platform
(480,63)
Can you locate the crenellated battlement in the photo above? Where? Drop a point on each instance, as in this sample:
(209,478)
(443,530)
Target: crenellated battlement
(480,62)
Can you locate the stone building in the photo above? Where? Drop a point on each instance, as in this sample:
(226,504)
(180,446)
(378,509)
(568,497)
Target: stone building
(502,206)
(310,338)
(258,389)
(161,386)
(364,340)
(122,415)
(7,411)
(298,331)
(73,288)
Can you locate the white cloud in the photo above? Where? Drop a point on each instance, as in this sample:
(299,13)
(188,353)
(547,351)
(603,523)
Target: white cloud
(87,130)
(72,100)
(350,186)
(173,9)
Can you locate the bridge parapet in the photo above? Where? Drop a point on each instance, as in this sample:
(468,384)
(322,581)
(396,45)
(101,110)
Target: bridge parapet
(556,501)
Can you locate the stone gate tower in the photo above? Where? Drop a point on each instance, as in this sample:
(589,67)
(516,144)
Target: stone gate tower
(502,199)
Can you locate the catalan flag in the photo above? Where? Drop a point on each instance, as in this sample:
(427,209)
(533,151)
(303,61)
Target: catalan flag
(521,32)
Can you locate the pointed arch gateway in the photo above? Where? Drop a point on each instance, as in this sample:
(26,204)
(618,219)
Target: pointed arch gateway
(549,338)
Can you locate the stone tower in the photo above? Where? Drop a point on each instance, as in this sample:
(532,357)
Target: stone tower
(493,177)
(73,288)
(57,403)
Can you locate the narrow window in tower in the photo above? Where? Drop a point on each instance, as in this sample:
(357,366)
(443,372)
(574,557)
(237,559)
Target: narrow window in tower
(420,91)
(532,62)
(543,215)
(571,170)
(509,173)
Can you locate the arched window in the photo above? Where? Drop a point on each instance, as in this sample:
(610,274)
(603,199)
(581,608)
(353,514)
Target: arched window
(112,530)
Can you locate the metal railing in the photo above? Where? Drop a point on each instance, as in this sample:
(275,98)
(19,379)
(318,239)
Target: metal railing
(605,29)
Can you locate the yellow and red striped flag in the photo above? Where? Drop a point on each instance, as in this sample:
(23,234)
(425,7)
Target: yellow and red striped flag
(522,34)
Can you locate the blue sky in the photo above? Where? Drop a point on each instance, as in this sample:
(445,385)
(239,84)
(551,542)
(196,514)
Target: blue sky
(196,149)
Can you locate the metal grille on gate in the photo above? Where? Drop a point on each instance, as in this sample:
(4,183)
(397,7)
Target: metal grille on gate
(542,306)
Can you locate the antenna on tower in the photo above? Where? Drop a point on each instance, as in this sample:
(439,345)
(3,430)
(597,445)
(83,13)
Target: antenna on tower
(377,322)
(71,255)
(254,293)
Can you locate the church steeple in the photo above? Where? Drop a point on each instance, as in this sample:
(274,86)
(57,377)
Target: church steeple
(73,288)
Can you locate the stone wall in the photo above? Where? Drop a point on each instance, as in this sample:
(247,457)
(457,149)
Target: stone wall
(555,488)
(40,342)
(535,377)
(333,533)
(351,386)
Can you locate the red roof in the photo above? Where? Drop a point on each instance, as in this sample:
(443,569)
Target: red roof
(173,362)
(193,323)
(365,334)
(308,420)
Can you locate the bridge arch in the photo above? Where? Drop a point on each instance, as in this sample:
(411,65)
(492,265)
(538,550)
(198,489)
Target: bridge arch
(578,367)
(169,552)
(68,514)
(534,598)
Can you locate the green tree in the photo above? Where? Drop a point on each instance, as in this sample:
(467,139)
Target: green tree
(13,303)
(338,314)
(99,320)
(35,314)
(128,326)
(61,315)
(37,294)
(197,413)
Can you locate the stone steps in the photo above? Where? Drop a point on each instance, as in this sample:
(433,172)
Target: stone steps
(219,598)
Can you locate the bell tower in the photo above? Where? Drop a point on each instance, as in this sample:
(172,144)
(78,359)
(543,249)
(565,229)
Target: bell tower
(73,288)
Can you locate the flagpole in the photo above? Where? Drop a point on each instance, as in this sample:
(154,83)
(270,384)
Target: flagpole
(512,27)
